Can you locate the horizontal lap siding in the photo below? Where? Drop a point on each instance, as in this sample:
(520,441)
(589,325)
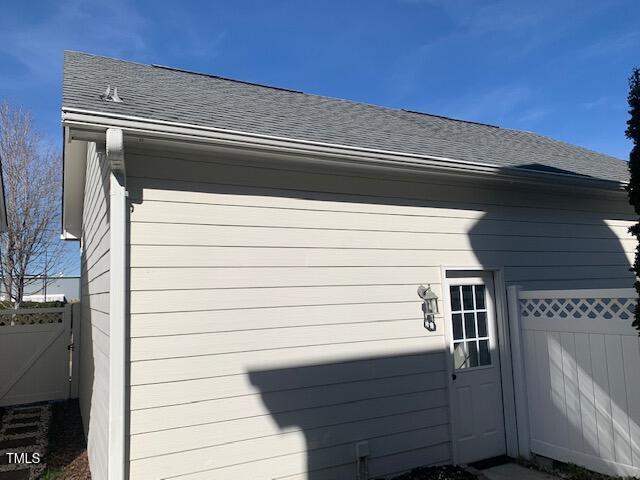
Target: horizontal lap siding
(250,236)
(94,344)
(274,319)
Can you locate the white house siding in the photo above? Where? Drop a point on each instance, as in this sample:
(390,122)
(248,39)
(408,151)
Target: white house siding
(274,315)
(94,286)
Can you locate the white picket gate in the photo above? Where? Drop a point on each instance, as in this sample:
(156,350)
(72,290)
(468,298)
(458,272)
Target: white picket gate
(576,362)
(36,355)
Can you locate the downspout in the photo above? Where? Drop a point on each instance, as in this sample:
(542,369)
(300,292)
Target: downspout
(117,305)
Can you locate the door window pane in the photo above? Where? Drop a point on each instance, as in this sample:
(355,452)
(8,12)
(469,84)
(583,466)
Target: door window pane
(485,354)
(467,297)
(469,325)
(460,359)
(472,352)
(482,324)
(457,326)
(480,300)
(455,299)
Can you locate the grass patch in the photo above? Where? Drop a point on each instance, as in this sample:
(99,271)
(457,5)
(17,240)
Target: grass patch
(52,474)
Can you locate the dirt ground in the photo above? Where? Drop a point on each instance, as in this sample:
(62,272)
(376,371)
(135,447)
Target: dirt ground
(67,453)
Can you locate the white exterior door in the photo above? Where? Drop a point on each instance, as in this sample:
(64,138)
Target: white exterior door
(477,410)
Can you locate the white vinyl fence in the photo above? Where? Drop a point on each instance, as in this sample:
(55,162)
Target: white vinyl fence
(576,365)
(36,355)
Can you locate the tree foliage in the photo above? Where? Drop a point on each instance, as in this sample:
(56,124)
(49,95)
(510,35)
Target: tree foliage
(633,133)
(30,249)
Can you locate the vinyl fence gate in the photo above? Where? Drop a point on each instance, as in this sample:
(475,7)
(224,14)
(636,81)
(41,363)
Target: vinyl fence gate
(37,359)
(576,363)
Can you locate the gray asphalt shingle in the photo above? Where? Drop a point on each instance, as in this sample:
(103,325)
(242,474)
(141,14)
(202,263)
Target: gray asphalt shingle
(172,95)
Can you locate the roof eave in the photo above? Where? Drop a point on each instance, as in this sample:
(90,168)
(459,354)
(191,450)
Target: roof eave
(90,125)
(74,155)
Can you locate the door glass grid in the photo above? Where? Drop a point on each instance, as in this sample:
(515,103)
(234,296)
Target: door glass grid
(470,329)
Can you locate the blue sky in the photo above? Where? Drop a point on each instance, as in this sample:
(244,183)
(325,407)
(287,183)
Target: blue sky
(558,67)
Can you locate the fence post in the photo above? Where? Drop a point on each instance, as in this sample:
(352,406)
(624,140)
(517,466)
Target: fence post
(519,381)
(76,325)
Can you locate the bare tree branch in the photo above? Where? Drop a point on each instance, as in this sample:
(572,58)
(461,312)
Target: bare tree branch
(31,248)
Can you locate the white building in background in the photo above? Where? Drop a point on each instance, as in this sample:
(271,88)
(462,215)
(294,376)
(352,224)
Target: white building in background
(54,290)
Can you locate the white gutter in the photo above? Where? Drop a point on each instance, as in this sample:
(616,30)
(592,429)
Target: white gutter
(117,305)
(87,121)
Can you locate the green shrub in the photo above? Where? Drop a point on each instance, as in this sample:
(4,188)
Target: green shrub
(6,305)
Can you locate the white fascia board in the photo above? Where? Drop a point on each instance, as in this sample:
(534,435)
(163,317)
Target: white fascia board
(87,124)
(66,235)
(74,168)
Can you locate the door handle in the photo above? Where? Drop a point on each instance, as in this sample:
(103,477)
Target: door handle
(454,376)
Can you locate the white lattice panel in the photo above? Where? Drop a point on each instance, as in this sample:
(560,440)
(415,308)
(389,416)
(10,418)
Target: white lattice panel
(578,308)
(577,385)
(31,318)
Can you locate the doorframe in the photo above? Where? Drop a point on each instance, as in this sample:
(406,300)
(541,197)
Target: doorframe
(504,347)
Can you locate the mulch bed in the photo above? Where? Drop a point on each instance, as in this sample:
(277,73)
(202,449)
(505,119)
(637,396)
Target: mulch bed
(446,472)
(67,454)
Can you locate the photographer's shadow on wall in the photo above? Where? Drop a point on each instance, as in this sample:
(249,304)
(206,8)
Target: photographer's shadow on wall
(577,240)
(397,400)
(323,410)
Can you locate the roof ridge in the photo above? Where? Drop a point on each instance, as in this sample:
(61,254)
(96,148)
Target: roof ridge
(108,57)
(211,75)
(450,118)
(246,82)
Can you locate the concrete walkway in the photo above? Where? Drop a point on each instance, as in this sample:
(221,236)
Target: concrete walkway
(510,471)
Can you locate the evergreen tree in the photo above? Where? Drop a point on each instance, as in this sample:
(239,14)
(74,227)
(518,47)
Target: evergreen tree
(633,133)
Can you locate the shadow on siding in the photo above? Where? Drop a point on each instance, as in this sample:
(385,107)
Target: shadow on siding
(398,404)
(573,407)
(588,254)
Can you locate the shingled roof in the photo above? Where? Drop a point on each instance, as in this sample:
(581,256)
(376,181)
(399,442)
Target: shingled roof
(167,94)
